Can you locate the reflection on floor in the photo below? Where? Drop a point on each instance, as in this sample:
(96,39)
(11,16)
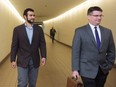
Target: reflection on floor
(54,74)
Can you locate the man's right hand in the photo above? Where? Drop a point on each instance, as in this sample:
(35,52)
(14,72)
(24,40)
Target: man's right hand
(13,64)
(75,74)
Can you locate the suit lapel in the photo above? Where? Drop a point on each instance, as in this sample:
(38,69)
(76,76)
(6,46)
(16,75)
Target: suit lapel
(90,33)
(102,36)
(92,36)
(34,34)
(25,33)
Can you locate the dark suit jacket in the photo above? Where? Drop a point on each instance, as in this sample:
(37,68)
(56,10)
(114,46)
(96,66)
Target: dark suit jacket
(24,50)
(86,58)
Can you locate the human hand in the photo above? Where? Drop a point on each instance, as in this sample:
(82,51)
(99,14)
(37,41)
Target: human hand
(43,61)
(75,74)
(13,65)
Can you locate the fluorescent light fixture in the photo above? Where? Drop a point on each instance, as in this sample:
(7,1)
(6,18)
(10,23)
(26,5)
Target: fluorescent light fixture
(78,7)
(9,5)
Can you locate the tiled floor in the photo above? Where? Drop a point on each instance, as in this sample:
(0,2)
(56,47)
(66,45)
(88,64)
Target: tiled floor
(54,74)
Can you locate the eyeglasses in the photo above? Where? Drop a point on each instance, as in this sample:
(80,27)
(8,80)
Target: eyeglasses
(97,15)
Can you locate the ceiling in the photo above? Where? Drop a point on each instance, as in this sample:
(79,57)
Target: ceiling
(45,9)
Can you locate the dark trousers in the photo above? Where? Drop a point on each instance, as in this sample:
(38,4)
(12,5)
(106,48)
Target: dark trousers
(52,37)
(99,81)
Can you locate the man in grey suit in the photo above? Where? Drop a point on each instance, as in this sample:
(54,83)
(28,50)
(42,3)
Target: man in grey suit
(27,40)
(93,50)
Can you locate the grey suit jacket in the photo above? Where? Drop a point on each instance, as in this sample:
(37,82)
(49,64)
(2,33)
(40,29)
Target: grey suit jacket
(86,58)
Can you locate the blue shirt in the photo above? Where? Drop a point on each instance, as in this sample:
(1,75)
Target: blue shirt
(29,31)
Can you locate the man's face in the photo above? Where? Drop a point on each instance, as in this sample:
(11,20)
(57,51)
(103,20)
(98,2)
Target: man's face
(30,17)
(95,17)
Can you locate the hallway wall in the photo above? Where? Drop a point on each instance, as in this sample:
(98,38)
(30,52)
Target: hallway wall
(66,25)
(7,23)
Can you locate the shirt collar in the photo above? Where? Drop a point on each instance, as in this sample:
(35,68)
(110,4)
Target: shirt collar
(29,27)
(92,26)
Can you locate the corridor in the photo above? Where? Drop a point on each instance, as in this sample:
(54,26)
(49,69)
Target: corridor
(54,74)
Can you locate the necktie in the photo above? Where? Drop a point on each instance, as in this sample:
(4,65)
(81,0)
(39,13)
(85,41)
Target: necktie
(97,38)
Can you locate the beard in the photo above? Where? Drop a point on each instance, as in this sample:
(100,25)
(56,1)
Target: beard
(30,21)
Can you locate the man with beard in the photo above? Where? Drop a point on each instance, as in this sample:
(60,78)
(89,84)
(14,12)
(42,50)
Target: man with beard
(27,40)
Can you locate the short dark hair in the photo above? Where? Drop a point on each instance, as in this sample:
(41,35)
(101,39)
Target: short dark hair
(26,10)
(94,8)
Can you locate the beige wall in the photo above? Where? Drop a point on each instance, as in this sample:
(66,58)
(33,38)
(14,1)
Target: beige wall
(7,22)
(66,25)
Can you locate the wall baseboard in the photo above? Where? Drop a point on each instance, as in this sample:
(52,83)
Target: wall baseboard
(4,59)
(59,41)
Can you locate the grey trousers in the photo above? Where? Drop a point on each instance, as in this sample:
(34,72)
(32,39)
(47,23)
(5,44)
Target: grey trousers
(27,76)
